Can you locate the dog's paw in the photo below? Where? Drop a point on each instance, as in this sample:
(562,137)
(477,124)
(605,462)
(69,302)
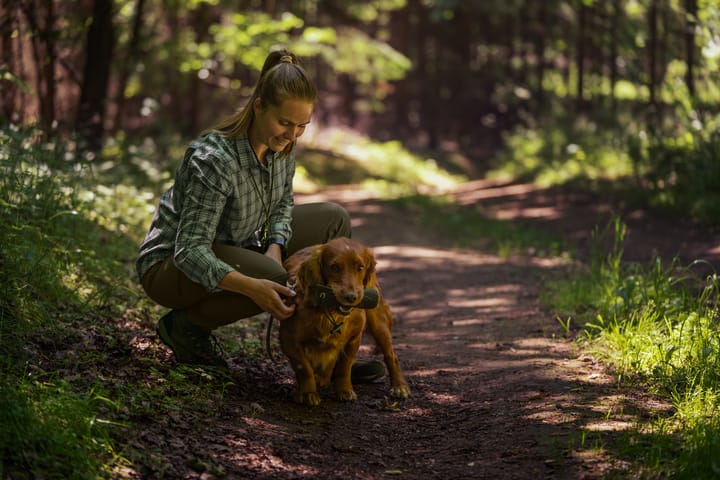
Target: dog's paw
(311,399)
(346,395)
(400,391)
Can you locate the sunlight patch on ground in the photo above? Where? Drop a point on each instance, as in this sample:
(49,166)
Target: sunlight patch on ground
(409,251)
(550,213)
(443,398)
(471,193)
(479,302)
(431,372)
(609,426)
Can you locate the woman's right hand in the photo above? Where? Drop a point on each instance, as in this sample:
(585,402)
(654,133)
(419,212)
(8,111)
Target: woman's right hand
(270,297)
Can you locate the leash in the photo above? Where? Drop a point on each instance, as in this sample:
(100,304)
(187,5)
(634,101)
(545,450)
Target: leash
(268,347)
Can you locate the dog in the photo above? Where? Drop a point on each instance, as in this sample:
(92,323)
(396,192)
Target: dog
(322,337)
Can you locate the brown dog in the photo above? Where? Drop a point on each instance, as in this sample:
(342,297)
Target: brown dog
(319,339)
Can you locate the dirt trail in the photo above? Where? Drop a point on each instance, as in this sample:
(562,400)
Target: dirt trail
(497,392)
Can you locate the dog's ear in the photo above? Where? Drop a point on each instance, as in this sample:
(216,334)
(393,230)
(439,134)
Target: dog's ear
(310,271)
(369,260)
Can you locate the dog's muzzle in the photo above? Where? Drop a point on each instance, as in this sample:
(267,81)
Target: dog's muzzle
(325,298)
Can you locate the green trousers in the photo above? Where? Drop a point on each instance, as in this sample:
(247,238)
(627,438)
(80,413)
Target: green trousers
(312,224)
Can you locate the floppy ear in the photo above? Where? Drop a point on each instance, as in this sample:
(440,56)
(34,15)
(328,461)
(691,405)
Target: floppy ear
(310,272)
(369,260)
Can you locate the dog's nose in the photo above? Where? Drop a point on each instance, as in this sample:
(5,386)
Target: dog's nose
(351,297)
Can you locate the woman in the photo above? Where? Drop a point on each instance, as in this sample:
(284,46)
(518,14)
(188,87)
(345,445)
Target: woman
(214,250)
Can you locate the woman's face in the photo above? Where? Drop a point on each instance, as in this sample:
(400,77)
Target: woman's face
(275,127)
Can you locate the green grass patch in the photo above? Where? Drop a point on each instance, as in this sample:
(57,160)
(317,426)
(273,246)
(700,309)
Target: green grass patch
(50,431)
(386,168)
(656,325)
(670,166)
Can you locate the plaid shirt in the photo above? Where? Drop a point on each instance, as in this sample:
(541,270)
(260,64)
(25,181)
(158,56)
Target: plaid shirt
(214,200)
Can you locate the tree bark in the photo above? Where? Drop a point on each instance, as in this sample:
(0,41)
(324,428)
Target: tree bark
(615,25)
(652,49)
(43,49)
(691,22)
(7,60)
(582,20)
(540,55)
(132,56)
(96,76)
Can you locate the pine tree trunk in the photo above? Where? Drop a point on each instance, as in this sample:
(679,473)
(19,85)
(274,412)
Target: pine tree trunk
(96,76)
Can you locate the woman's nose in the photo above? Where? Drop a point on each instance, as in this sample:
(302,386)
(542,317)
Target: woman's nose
(293,132)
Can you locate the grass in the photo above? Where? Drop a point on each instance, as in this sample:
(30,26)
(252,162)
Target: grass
(656,325)
(671,168)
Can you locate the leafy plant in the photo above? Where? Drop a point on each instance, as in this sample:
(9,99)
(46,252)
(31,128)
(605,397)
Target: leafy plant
(656,324)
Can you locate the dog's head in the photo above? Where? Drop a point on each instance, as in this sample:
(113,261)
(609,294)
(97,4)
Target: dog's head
(344,265)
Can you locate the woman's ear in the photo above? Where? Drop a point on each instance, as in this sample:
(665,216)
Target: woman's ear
(257,104)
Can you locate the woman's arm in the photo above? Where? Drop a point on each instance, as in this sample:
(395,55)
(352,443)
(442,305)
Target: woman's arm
(268,295)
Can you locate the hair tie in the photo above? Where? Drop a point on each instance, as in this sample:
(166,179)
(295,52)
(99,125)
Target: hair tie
(286,59)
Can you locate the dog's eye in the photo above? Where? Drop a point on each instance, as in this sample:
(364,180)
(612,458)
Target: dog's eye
(360,268)
(335,268)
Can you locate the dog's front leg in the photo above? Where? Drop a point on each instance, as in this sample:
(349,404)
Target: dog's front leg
(342,381)
(306,390)
(306,387)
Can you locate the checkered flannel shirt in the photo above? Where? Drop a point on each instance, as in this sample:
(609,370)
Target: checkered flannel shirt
(213,200)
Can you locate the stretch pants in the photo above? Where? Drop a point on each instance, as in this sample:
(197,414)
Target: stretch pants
(311,224)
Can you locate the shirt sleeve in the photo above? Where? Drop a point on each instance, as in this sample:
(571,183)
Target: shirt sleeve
(281,216)
(203,192)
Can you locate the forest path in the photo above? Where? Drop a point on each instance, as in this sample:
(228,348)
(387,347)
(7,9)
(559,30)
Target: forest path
(496,391)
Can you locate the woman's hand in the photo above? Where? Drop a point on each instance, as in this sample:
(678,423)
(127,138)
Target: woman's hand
(268,295)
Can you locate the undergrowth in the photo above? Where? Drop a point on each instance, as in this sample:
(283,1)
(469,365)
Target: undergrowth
(671,167)
(72,321)
(656,325)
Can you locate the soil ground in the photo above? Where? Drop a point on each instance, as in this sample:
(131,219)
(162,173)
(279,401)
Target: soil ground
(497,392)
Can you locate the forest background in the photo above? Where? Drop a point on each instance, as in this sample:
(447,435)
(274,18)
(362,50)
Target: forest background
(98,99)
(456,78)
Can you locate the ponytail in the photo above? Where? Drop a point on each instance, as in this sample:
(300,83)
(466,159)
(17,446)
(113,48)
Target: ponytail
(281,78)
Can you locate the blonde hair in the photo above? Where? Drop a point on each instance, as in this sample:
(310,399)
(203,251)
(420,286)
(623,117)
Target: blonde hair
(281,78)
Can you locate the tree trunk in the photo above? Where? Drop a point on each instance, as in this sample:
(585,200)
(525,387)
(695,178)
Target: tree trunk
(43,49)
(691,19)
(540,55)
(652,49)
(582,20)
(96,76)
(49,65)
(131,57)
(615,25)
(7,60)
